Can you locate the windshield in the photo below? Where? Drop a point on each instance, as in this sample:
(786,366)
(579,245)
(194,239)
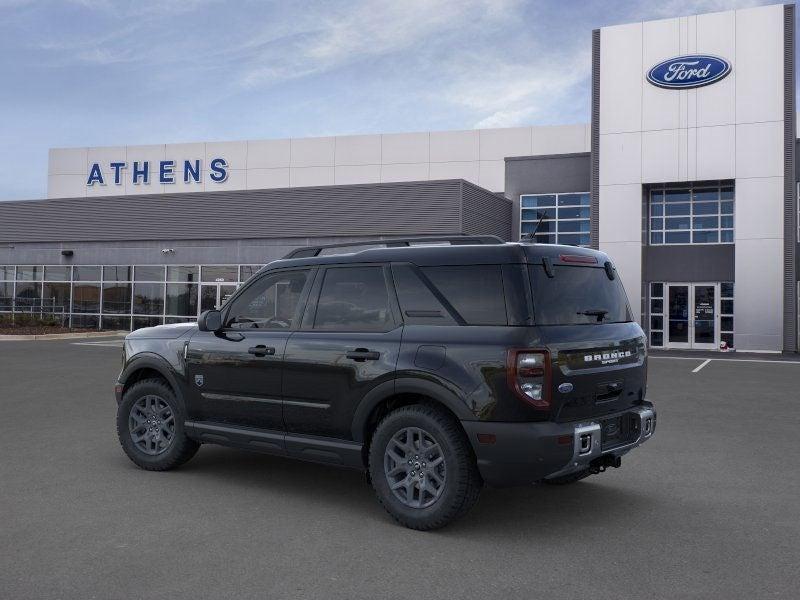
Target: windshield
(577,295)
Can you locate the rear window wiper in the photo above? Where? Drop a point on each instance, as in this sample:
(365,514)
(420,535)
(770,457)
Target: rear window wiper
(594,312)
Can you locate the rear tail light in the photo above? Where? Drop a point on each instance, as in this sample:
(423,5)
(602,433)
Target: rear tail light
(529,376)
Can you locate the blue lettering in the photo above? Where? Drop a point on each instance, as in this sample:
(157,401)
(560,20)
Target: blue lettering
(117,166)
(165,174)
(95,175)
(143,173)
(219,170)
(189,172)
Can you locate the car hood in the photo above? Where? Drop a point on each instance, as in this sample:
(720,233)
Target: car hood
(163,332)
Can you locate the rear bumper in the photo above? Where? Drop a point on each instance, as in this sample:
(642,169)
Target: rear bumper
(524,453)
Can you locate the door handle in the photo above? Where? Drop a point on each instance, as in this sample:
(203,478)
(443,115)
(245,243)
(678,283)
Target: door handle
(362,354)
(261,350)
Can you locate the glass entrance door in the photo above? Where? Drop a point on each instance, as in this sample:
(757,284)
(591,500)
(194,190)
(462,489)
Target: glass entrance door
(213,295)
(693,312)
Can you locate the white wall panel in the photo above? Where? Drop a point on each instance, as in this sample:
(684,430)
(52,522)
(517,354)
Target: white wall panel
(759,64)
(620,158)
(497,144)
(759,149)
(405,148)
(66,186)
(759,209)
(758,301)
(454,146)
(561,139)
(716,104)
(715,156)
(660,108)
(236,180)
(456,170)
(492,175)
(67,161)
(627,258)
(405,172)
(104,156)
(310,176)
(269,154)
(621,78)
(346,174)
(234,153)
(662,159)
(259,179)
(313,152)
(621,213)
(358,150)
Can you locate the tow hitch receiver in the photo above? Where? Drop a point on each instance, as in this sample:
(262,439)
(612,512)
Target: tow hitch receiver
(599,465)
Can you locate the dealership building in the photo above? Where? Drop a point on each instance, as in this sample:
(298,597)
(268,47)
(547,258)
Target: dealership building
(686,176)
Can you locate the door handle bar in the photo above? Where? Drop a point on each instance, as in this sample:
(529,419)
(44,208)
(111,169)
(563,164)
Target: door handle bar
(261,350)
(360,355)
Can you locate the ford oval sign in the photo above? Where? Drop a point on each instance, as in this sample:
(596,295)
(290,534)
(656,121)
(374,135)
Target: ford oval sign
(683,72)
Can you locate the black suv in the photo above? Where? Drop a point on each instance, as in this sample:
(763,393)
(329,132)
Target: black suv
(434,368)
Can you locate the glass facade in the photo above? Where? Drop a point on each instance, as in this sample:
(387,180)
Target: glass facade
(661,315)
(118,297)
(564,218)
(693,215)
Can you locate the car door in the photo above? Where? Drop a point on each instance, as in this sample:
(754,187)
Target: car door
(235,374)
(348,344)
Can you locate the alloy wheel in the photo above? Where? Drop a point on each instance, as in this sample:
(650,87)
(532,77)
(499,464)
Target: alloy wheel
(414,467)
(151,425)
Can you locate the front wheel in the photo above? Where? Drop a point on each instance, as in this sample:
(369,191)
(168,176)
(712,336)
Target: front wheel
(150,427)
(422,467)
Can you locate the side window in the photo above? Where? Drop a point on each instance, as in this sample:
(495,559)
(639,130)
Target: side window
(475,291)
(354,299)
(418,303)
(270,303)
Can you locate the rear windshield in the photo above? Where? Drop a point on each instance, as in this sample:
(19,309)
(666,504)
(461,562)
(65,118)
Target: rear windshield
(577,295)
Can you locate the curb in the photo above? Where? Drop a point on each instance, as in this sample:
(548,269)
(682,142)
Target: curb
(61,336)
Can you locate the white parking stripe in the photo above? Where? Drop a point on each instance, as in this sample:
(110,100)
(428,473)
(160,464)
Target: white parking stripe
(109,344)
(701,365)
(753,360)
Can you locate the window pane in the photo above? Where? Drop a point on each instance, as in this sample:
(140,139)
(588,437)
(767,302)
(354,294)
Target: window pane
(726,222)
(578,212)
(656,338)
(726,323)
(538,201)
(657,196)
(86,298)
(354,299)
(676,196)
(27,295)
(85,321)
(710,194)
(705,237)
(705,222)
(706,208)
(484,304)
(677,209)
(573,239)
(247,271)
(29,273)
(271,302)
(656,210)
(139,322)
(535,215)
(657,322)
(726,307)
(115,323)
(676,223)
(657,290)
(726,236)
(726,208)
(169,320)
(657,238)
(148,273)
(727,194)
(675,237)
(726,289)
(148,299)
(117,273)
(6,295)
(573,200)
(181,299)
(657,306)
(727,338)
(86,273)
(214,273)
(573,226)
(117,298)
(417,303)
(56,274)
(55,297)
(656,224)
(6,272)
(183,274)
(545,239)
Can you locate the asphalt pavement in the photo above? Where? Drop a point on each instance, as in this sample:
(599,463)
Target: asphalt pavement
(710,508)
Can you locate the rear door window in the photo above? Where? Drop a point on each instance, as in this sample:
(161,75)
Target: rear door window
(475,291)
(577,295)
(354,299)
(419,304)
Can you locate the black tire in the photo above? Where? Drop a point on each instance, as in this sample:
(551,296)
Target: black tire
(568,479)
(179,449)
(461,484)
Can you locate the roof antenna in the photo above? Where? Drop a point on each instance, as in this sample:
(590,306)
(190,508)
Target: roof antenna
(528,237)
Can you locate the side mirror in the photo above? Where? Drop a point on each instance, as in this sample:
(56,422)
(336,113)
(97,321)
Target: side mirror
(210,320)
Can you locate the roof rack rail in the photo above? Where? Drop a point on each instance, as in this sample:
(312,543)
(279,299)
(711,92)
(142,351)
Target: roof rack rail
(455,240)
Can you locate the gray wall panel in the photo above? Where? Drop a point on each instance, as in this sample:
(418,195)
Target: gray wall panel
(543,175)
(412,208)
(688,263)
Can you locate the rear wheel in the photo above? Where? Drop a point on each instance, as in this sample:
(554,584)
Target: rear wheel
(150,427)
(422,467)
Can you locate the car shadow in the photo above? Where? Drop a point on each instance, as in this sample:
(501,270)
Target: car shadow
(539,510)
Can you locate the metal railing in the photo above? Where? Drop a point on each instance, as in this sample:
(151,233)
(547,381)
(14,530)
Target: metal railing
(41,307)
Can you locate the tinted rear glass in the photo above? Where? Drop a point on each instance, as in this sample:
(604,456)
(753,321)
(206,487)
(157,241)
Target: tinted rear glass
(577,296)
(354,299)
(476,292)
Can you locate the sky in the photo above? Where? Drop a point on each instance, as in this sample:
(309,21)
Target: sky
(102,73)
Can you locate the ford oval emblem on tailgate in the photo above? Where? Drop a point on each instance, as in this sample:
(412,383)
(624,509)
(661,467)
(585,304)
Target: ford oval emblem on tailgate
(565,388)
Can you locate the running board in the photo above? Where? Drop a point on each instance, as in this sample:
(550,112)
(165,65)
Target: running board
(303,447)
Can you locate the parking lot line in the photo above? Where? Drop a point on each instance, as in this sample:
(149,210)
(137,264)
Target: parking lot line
(701,365)
(752,360)
(107,344)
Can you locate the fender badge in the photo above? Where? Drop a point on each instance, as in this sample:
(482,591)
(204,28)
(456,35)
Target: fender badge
(198,379)
(565,388)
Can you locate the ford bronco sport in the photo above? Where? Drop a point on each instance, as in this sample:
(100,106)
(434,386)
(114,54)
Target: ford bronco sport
(434,368)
